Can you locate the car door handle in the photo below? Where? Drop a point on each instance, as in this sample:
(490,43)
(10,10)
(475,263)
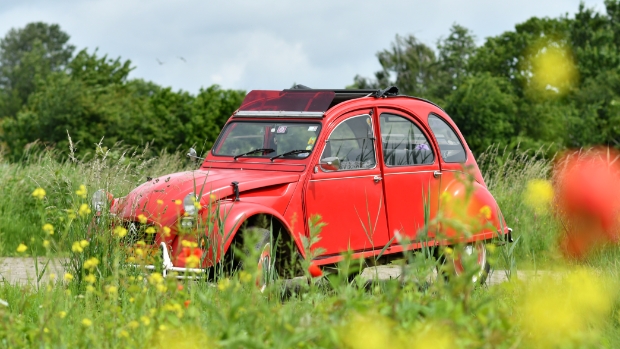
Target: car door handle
(376,179)
(436,174)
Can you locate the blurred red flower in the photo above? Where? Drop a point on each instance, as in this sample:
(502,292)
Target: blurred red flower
(186,303)
(188,253)
(587,187)
(315,271)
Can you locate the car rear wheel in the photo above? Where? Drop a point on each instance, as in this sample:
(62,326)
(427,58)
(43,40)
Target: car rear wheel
(462,263)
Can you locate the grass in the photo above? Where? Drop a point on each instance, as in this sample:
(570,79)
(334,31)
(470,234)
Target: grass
(110,305)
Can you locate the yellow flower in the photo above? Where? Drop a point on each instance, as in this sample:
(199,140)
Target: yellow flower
(46,243)
(123,334)
(68,277)
(91,263)
(46,330)
(223,285)
(245,277)
(178,202)
(86,322)
(131,259)
(162,327)
(112,290)
(145,320)
(447,251)
(131,300)
(187,243)
(39,193)
(62,314)
(166,231)
(22,248)
(192,261)
(83,243)
(197,205)
(538,195)
(213,197)
(160,202)
(139,252)
(161,288)
(142,218)
(156,278)
(485,211)
(76,247)
(90,278)
(84,210)
(71,214)
(52,277)
(369,331)
(90,289)
(82,192)
(150,230)
(48,228)
(133,324)
(120,231)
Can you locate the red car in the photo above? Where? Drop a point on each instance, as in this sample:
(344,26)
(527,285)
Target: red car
(375,165)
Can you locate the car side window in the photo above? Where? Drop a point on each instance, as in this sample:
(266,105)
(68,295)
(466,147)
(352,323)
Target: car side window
(352,142)
(450,145)
(403,142)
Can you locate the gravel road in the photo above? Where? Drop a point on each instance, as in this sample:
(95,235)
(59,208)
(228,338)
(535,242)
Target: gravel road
(22,271)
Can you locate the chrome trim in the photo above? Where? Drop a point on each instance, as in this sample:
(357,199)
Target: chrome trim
(279,113)
(437,174)
(333,179)
(398,173)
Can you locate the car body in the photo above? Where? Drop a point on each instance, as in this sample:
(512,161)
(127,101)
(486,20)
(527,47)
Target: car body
(376,197)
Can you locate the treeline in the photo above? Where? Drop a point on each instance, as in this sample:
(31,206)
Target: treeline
(552,82)
(47,90)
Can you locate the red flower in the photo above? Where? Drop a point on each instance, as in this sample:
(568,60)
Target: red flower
(186,303)
(180,287)
(315,271)
(588,198)
(191,253)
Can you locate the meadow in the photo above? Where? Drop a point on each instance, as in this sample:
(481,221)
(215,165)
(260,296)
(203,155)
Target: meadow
(102,303)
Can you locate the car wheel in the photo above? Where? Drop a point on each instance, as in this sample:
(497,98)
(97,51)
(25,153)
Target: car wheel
(482,264)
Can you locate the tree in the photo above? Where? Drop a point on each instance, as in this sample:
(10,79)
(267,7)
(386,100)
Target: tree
(26,55)
(455,52)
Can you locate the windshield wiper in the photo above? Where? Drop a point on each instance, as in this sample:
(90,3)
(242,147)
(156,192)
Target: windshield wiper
(268,150)
(296,151)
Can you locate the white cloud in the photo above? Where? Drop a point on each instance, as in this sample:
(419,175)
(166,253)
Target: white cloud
(266,44)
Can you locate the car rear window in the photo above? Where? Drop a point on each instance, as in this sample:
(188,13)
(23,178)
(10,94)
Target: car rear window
(450,145)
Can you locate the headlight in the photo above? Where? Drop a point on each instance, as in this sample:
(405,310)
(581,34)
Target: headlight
(188,203)
(98,200)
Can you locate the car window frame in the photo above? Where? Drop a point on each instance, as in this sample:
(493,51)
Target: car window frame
(374,139)
(420,125)
(458,137)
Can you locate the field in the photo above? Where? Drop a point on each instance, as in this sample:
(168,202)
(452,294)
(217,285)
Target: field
(101,303)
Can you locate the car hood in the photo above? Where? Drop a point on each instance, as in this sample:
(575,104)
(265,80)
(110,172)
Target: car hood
(159,194)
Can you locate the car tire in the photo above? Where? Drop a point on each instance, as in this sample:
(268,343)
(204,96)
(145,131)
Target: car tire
(482,264)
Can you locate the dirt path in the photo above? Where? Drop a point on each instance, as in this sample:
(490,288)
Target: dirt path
(22,270)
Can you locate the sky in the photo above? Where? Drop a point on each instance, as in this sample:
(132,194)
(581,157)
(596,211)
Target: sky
(267,44)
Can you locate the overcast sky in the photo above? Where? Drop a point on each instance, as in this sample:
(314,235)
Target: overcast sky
(266,44)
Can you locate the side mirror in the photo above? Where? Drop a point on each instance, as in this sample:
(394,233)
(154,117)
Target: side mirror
(193,155)
(330,164)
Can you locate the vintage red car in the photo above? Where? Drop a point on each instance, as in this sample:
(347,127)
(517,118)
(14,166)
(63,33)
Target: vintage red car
(373,164)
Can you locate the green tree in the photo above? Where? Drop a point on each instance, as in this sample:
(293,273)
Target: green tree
(454,53)
(27,55)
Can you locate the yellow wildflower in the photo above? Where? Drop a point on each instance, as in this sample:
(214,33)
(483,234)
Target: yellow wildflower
(46,330)
(192,261)
(120,231)
(245,277)
(187,243)
(76,247)
(86,322)
(131,259)
(156,278)
(145,320)
(223,285)
(91,263)
(538,195)
(83,243)
(133,324)
(448,251)
(62,314)
(71,214)
(197,205)
(485,211)
(90,278)
(142,218)
(52,277)
(166,231)
(139,252)
(68,277)
(82,192)
(46,243)
(161,288)
(160,202)
(22,248)
(150,230)
(162,327)
(84,210)
(90,289)
(213,197)
(112,290)
(48,228)
(123,334)
(369,331)
(178,202)
(39,193)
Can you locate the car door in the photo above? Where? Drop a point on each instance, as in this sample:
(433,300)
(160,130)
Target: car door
(346,189)
(410,173)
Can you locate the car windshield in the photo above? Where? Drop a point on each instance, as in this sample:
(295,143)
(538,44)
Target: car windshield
(241,138)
